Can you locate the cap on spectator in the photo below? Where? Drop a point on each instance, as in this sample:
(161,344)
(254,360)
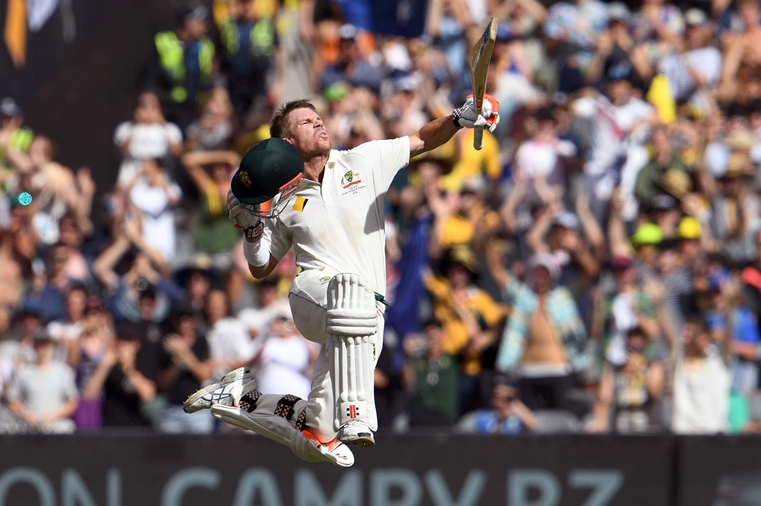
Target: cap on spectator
(737,166)
(269,281)
(335,92)
(545,114)
(445,156)
(695,17)
(619,71)
(740,140)
(621,263)
(548,262)
(618,11)
(200,263)
(717,278)
(504,33)
(676,183)
(504,380)
(663,202)
(648,234)
(182,309)
(688,228)
(42,336)
(462,255)
(474,185)
(566,219)
(433,322)
(668,243)
(30,308)
(9,108)
(192,12)
(406,83)
(283,310)
(347,32)
(397,58)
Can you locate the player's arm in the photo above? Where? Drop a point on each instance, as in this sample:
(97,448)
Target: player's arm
(440,130)
(432,135)
(265,270)
(256,238)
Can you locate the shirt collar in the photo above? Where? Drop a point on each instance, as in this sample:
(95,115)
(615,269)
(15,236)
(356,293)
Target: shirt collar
(332,159)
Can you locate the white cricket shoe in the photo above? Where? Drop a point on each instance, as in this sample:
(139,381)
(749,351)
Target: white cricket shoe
(227,391)
(281,430)
(355,432)
(335,451)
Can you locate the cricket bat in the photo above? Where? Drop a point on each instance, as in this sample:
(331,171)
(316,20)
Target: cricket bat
(479,69)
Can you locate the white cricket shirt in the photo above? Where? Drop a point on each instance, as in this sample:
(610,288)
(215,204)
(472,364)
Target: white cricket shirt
(338,226)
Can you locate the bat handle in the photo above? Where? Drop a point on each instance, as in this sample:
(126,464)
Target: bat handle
(478,138)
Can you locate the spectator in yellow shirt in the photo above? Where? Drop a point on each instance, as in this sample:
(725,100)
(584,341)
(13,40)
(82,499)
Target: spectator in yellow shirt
(469,315)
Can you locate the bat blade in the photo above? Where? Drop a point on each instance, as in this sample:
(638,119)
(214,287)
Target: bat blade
(479,70)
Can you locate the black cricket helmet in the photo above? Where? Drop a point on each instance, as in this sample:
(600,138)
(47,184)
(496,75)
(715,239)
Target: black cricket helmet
(268,176)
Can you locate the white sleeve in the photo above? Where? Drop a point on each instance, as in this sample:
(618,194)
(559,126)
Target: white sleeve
(173,133)
(174,191)
(244,348)
(566,148)
(584,107)
(386,157)
(69,387)
(13,392)
(122,133)
(279,236)
(522,169)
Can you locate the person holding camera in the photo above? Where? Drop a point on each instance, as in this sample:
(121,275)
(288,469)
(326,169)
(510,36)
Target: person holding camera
(508,415)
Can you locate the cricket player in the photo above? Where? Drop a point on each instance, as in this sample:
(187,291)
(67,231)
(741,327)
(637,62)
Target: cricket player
(328,205)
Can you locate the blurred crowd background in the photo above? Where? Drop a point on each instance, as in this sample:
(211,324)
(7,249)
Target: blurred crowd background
(594,268)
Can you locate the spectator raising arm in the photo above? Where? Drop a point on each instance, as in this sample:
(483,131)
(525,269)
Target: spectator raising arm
(510,207)
(182,358)
(194,164)
(104,265)
(120,354)
(618,242)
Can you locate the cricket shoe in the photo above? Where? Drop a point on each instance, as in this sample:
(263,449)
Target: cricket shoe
(227,391)
(333,451)
(357,433)
(304,443)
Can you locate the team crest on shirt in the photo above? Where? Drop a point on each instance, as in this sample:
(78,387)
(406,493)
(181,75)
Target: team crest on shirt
(350,182)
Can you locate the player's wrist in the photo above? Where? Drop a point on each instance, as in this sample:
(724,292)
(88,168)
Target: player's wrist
(257,253)
(253,233)
(456,115)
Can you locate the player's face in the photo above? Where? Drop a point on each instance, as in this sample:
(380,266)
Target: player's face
(307,133)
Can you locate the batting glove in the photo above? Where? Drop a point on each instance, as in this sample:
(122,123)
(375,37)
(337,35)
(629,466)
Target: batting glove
(467,117)
(243,219)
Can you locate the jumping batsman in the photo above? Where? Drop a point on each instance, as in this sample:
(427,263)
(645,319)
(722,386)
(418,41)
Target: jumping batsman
(294,190)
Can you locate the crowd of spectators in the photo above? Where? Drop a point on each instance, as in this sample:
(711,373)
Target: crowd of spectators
(594,268)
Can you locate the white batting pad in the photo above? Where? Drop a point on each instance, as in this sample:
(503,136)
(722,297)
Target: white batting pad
(352,323)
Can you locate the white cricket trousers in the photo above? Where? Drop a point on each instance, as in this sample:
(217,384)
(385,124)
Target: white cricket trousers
(308,298)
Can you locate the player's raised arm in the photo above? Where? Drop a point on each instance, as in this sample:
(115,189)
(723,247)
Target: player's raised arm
(440,130)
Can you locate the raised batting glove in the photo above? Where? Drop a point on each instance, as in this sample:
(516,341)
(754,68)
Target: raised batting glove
(243,219)
(467,117)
